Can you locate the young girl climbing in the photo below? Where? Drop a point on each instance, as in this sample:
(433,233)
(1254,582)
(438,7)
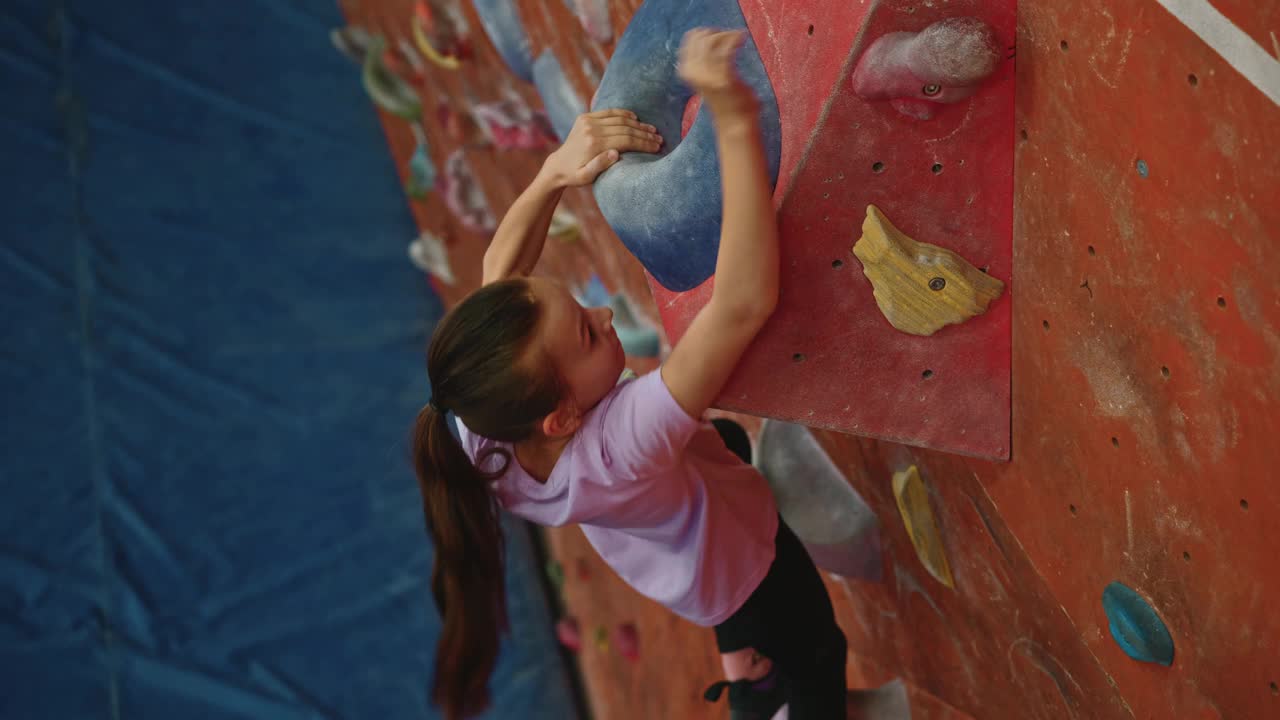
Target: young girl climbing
(546,431)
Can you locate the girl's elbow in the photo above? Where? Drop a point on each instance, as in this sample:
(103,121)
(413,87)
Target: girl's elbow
(753,312)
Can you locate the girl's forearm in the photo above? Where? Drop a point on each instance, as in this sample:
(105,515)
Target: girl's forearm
(517,243)
(747,263)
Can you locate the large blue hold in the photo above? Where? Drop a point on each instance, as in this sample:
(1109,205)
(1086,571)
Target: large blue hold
(666,207)
(1135,625)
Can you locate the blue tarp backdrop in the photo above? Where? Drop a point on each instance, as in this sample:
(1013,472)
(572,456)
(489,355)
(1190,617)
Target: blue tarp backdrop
(211,354)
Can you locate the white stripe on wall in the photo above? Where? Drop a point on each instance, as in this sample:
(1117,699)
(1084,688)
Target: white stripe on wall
(1233,44)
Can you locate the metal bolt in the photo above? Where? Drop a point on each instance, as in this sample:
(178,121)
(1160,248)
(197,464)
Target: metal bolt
(937,284)
(931,89)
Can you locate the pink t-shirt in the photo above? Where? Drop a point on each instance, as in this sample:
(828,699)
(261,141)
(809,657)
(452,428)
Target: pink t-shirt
(659,496)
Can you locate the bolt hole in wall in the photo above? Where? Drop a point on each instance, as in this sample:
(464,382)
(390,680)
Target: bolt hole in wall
(1073,510)
(1115,442)
(1164,371)
(837,264)
(1222,302)
(1186,556)
(1275,689)
(1024,134)
(1143,170)
(798,357)
(1244,504)
(926,374)
(1064,45)
(811,30)
(878,167)
(937,168)
(1046,325)
(1192,80)
(985,268)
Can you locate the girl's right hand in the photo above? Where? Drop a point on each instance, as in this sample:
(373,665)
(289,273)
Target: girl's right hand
(595,143)
(707,65)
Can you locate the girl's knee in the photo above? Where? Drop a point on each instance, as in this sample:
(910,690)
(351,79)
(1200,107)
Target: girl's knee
(745,664)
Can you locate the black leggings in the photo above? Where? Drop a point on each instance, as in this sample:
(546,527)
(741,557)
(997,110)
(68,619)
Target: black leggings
(789,619)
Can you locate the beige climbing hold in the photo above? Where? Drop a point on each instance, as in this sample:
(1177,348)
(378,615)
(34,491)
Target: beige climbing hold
(919,287)
(564,226)
(913,503)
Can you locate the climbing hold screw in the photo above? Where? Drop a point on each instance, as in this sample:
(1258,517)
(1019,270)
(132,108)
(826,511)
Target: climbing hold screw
(931,89)
(937,284)
(1142,168)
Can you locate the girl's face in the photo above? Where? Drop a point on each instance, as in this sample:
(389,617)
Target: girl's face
(581,341)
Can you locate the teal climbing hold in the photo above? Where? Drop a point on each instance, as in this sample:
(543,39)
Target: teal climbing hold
(422,172)
(1135,625)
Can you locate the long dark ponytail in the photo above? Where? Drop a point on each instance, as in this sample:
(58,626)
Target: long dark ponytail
(485,368)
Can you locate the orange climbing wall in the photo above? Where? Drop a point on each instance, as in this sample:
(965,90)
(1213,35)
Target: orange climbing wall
(1146,345)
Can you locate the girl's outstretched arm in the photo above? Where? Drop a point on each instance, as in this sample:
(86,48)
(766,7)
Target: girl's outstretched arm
(746,281)
(593,145)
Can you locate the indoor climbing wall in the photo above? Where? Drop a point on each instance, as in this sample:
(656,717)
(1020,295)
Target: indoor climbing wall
(1118,565)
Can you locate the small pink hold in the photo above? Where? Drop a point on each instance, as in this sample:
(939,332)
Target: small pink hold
(464,196)
(513,126)
(627,639)
(568,634)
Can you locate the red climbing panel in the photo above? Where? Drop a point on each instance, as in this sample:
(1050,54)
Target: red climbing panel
(829,358)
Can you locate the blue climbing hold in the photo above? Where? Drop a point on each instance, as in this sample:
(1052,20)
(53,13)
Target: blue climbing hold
(1135,626)
(594,294)
(638,338)
(562,102)
(666,207)
(501,21)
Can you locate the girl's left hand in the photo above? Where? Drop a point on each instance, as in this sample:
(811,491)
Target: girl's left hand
(596,142)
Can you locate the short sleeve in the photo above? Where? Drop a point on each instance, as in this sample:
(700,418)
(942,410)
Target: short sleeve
(644,428)
(472,444)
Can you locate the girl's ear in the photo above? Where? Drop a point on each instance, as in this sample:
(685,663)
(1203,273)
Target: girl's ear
(562,421)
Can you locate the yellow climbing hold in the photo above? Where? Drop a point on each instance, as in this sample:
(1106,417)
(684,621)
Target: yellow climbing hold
(913,503)
(919,287)
(420,39)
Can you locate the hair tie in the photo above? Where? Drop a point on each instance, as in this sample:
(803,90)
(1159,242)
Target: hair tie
(435,406)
